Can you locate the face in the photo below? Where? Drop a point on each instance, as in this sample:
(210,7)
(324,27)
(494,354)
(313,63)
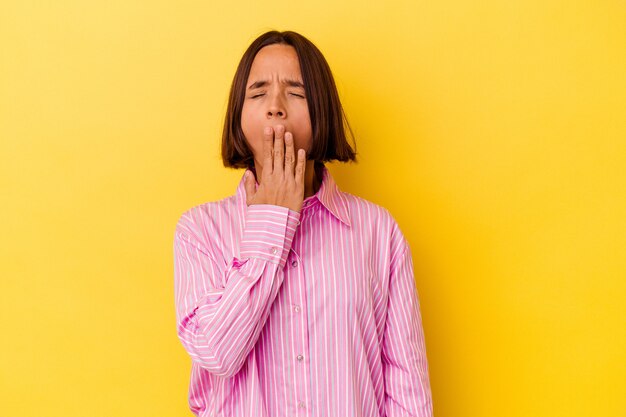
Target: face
(275,95)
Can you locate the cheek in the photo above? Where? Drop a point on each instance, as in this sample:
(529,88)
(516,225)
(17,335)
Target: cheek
(251,130)
(246,119)
(249,123)
(303,138)
(304,130)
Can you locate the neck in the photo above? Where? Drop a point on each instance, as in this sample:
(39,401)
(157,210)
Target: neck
(311,182)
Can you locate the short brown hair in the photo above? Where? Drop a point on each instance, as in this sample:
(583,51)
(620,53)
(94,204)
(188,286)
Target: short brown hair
(327,116)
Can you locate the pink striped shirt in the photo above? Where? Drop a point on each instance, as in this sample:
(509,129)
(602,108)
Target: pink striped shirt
(310,313)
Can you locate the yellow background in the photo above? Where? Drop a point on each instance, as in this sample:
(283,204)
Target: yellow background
(493,131)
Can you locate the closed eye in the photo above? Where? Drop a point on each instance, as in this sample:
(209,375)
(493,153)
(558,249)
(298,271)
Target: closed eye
(293,94)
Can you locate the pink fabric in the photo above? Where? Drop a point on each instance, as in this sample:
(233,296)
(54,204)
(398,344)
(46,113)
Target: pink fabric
(313,313)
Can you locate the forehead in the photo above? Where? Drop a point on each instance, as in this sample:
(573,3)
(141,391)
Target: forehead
(276,59)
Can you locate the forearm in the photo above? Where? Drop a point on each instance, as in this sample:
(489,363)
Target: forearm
(221,325)
(220,333)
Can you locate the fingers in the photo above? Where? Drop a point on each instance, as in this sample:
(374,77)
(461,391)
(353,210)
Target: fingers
(279,148)
(300,168)
(249,184)
(279,154)
(290,157)
(268,140)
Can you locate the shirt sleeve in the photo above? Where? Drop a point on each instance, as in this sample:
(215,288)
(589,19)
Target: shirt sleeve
(407,385)
(221,309)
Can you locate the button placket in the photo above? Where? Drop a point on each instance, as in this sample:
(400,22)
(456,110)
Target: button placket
(299,328)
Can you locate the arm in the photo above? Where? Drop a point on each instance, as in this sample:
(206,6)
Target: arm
(407,385)
(219,324)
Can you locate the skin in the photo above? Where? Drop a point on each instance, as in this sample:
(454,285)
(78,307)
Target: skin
(275,121)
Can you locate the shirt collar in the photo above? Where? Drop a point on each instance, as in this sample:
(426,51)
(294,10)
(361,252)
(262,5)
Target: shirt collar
(329,195)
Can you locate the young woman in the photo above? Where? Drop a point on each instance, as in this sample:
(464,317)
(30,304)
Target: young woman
(294,298)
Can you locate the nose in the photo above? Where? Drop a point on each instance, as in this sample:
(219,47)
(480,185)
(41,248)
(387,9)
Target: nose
(276,108)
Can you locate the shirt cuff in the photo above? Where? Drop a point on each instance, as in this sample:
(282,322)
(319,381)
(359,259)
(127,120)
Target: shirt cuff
(269,232)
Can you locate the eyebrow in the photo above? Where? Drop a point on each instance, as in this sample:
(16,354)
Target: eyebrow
(263,83)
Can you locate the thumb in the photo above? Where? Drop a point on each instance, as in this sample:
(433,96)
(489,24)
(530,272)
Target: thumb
(249,184)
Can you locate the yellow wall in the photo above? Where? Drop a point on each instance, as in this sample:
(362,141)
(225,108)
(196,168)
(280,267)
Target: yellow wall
(493,131)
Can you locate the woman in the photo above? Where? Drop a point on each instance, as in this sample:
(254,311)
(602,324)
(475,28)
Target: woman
(292,296)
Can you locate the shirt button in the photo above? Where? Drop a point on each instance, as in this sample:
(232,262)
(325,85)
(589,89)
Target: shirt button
(301,405)
(294,263)
(300,357)
(273,250)
(296,309)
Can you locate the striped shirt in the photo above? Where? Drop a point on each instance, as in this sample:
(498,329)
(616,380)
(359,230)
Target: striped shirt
(311,313)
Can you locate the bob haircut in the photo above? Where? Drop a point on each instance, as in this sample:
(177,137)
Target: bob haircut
(325,111)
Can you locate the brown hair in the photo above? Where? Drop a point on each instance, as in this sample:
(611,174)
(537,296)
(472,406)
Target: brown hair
(327,116)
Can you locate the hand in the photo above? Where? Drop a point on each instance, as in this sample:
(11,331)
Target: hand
(280,184)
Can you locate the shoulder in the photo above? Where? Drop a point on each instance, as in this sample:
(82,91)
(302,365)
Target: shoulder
(369,215)
(206,219)
(376,226)
(367,211)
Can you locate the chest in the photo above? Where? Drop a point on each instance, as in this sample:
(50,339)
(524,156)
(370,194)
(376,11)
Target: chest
(337,271)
